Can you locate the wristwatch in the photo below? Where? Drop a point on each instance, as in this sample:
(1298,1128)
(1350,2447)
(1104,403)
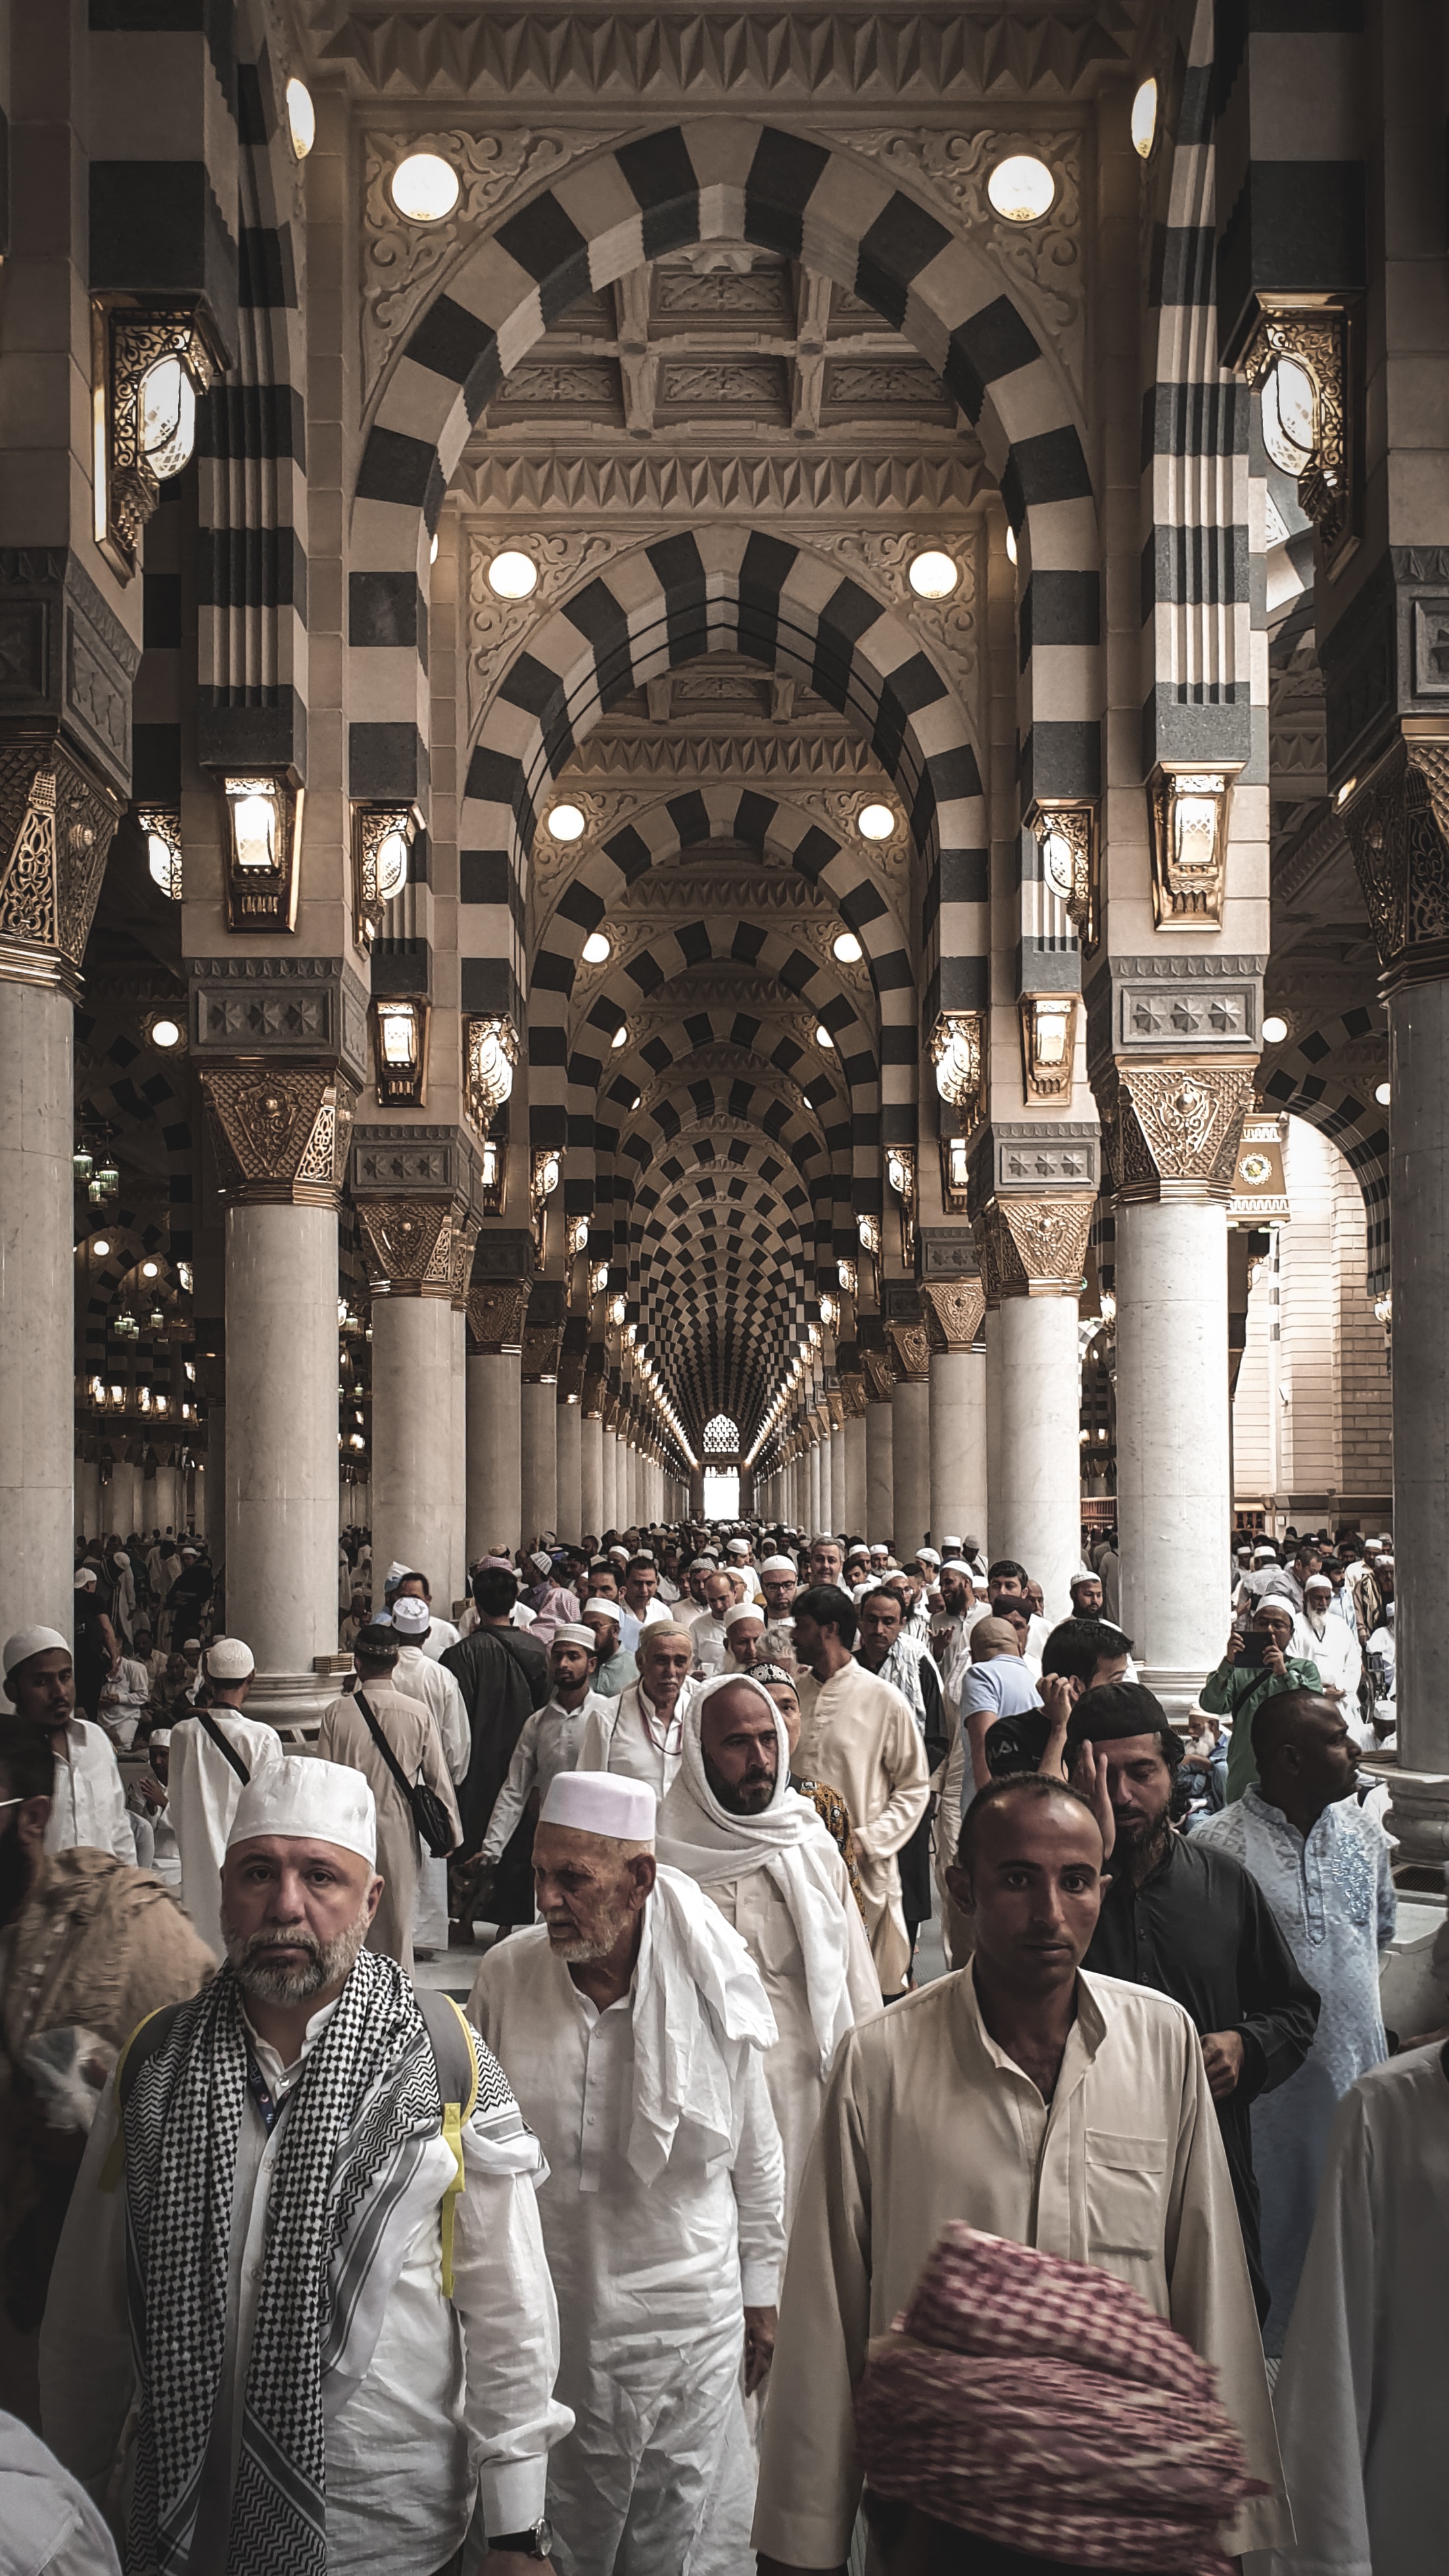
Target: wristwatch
(536,2542)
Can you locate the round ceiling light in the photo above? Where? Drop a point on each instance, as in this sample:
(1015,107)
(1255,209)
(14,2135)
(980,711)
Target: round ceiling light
(876,822)
(1021,188)
(101,1248)
(847,948)
(620,1037)
(513,574)
(165,1033)
(1383,1093)
(1144,119)
(566,823)
(150,1269)
(1275,1030)
(823,1037)
(424,188)
(934,574)
(301,118)
(597,949)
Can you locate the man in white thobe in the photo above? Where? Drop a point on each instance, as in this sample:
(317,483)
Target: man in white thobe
(1323,1864)
(706,1629)
(418,1677)
(371,2356)
(858,1735)
(88,1803)
(1065,2111)
(214,1754)
(633,2027)
(638,1734)
(1320,1637)
(551,1737)
(410,1754)
(733,1823)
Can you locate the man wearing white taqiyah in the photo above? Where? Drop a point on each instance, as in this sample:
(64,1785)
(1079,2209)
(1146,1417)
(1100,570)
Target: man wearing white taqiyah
(417,1676)
(88,1803)
(634,2027)
(733,1823)
(215,1753)
(341,2327)
(551,1737)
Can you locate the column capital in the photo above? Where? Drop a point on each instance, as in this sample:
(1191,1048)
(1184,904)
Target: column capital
(279,1010)
(57,821)
(1173,1130)
(1033,1246)
(282,1131)
(496,1310)
(910,1350)
(543,1329)
(415,1246)
(954,1309)
(1397,820)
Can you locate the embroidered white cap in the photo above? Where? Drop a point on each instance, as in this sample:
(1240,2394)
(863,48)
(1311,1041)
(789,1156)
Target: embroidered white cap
(572,1632)
(1318,1583)
(230,1659)
(602,1609)
(601,1802)
(32,1641)
(396,1573)
(541,1562)
(410,1616)
(308,1800)
(743,1610)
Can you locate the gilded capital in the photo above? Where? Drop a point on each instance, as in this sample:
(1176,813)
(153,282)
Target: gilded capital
(954,1309)
(282,1131)
(412,1245)
(496,1309)
(910,1350)
(1033,1247)
(1173,1130)
(56,827)
(1398,830)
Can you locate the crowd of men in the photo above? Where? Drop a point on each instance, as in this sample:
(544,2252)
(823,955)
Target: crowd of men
(699,2215)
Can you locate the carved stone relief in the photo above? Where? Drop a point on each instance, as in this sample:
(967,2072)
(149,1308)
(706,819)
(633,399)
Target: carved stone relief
(1033,1247)
(56,827)
(497,628)
(1398,829)
(410,1244)
(1174,1126)
(496,1309)
(282,1131)
(953,1310)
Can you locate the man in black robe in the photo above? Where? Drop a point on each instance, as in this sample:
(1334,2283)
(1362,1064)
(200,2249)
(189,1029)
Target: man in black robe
(503,1677)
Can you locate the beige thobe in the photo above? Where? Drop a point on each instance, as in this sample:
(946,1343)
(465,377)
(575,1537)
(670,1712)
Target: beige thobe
(412,1732)
(926,2120)
(858,1734)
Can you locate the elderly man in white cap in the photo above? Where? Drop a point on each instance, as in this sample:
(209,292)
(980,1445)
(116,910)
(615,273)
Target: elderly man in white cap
(88,1803)
(735,1826)
(706,1626)
(394,1741)
(615,1670)
(744,1637)
(1322,1638)
(634,2026)
(638,1734)
(310,2246)
(215,1753)
(551,1737)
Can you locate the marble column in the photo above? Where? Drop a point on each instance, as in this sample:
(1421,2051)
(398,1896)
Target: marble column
(496,1310)
(37,1303)
(837,1478)
(569,1447)
(910,1464)
(87,1499)
(880,1496)
(1174,1493)
(412,1437)
(955,1313)
(592,1437)
(540,1459)
(1032,1252)
(608,1481)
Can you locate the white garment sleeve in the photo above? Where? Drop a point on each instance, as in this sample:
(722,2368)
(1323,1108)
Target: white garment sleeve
(512,1798)
(456,1733)
(505,2303)
(86,2372)
(758,2176)
(117,1824)
(1325,2393)
(904,1758)
(595,1740)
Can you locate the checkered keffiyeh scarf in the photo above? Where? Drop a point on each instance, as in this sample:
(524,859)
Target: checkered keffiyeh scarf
(359,2120)
(1042,2404)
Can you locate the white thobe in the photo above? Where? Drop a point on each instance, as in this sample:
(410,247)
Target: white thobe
(1335,1650)
(629,1736)
(418,1677)
(708,1635)
(926,2120)
(858,1735)
(653,2278)
(444,2379)
(549,1743)
(441,1635)
(88,1803)
(203,1794)
(1334,1902)
(123,1701)
(1359,2398)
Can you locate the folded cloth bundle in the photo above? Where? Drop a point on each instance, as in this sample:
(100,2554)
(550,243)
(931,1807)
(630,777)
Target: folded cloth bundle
(1043,2405)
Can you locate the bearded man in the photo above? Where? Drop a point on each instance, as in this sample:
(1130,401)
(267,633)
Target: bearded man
(322,2272)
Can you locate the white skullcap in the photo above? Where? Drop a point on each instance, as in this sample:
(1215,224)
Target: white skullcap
(410,1616)
(1262,1554)
(879,1548)
(927,1556)
(188,1551)
(622,1554)
(779,1565)
(957,1565)
(572,1632)
(190,1645)
(160,1734)
(396,1573)
(957,1543)
(604,1609)
(84,1579)
(230,1659)
(32,1641)
(121,1558)
(1318,1583)
(737,1546)
(311,1800)
(859,1549)
(742,1610)
(601,1802)
(542,1560)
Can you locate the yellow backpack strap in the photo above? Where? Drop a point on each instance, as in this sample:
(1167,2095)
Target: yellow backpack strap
(455,2113)
(114,2165)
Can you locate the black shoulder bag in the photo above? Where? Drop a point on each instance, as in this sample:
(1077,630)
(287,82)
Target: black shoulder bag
(225,1747)
(434,1824)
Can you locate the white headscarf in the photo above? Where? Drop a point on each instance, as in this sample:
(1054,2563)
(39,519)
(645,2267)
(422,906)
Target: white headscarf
(699,1836)
(699,2004)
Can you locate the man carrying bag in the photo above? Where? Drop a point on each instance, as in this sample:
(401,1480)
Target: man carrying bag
(394,1742)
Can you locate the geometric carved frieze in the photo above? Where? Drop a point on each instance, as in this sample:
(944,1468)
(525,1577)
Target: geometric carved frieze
(954,1309)
(1014,1155)
(282,1131)
(415,1162)
(1398,828)
(66,662)
(56,827)
(278,1007)
(1177,1004)
(1173,1130)
(1034,1247)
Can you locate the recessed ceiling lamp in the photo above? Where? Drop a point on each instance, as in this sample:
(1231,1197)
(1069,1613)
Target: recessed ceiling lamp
(934,574)
(424,188)
(165,1033)
(620,1037)
(513,575)
(823,1037)
(1275,1030)
(1383,1093)
(847,948)
(1144,119)
(566,823)
(150,1269)
(876,822)
(101,1248)
(597,949)
(301,118)
(1021,188)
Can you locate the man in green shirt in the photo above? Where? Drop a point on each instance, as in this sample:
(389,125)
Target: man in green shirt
(1238,1688)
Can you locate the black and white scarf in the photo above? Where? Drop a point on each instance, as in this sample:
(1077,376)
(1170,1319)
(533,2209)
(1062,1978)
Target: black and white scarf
(357,2126)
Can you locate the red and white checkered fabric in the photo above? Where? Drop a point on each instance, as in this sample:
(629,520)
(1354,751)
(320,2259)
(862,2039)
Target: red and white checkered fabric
(1042,2404)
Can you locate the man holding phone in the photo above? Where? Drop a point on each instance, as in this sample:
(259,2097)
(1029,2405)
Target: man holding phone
(1253,1669)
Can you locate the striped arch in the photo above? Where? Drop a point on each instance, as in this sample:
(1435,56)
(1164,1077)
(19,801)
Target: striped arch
(756,1102)
(1300,1078)
(702,1229)
(723,179)
(130,1245)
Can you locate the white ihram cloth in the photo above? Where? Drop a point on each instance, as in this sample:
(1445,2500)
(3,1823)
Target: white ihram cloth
(779,1879)
(857,1734)
(1359,2398)
(203,1794)
(661,2215)
(627,1734)
(456,2400)
(88,1802)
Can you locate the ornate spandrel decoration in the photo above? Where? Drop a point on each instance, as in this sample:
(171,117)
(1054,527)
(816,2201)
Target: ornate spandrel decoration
(1298,362)
(497,626)
(1033,1247)
(954,1309)
(410,1245)
(496,1311)
(56,827)
(1398,830)
(1187,815)
(282,1132)
(1174,1130)
(130,338)
(1065,829)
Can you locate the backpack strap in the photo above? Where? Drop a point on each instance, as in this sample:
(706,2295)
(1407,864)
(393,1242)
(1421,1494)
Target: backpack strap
(225,1747)
(455,2054)
(148,2036)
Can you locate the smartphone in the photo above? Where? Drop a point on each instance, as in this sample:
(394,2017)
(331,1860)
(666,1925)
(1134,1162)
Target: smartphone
(1253,1647)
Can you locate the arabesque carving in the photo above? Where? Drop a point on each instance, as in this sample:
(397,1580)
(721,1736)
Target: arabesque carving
(911,1350)
(496,1309)
(954,1309)
(410,1245)
(1033,1247)
(496,627)
(282,1131)
(1175,1127)
(56,827)
(1398,829)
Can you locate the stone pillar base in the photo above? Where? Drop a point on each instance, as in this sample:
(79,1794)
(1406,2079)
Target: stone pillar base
(293,1703)
(1176,1689)
(1418,1814)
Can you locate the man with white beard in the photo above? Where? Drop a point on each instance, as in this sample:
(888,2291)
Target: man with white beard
(1323,1639)
(638,1733)
(733,1823)
(635,2027)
